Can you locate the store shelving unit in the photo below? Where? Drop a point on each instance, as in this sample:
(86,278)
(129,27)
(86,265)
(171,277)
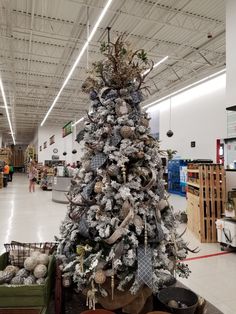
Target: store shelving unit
(205,199)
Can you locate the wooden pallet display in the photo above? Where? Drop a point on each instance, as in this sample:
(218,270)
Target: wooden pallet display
(206,207)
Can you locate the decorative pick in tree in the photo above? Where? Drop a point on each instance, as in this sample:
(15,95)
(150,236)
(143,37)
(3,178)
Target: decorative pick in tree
(119,240)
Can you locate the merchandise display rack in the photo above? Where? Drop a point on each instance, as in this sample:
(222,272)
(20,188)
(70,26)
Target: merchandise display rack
(176,180)
(206,198)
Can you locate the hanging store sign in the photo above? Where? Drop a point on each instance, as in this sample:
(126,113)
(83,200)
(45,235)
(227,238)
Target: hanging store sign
(67,129)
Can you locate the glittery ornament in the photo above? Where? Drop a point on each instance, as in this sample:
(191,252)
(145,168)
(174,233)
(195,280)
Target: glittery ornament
(6,276)
(113,170)
(93,95)
(17,280)
(40,281)
(126,131)
(140,154)
(23,273)
(136,97)
(137,221)
(43,259)
(98,187)
(11,268)
(40,271)
(144,122)
(100,277)
(35,254)
(29,280)
(112,286)
(122,108)
(123,170)
(30,263)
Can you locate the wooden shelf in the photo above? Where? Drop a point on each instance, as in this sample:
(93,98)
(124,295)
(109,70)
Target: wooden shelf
(193,170)
(196,185)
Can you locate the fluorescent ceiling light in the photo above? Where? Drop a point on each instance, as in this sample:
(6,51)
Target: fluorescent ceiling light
(183,89)
(156,64)
(78,58)
(6,108)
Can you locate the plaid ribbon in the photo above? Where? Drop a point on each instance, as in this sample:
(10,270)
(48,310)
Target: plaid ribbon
(83,227)
(115,139)
(98,160)
(145,266)
(88,190)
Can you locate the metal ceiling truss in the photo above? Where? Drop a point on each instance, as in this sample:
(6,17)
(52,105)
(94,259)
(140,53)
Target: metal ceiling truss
(39,47)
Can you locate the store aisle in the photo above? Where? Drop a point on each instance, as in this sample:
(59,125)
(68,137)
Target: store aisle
(28,217)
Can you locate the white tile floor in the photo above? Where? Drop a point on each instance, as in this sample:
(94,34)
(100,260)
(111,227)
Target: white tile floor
(34,217)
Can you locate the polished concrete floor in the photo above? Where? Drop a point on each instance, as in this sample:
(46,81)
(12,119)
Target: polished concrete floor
(33,217)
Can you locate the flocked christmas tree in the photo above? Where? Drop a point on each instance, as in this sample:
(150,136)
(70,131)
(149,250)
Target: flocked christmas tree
(120,232)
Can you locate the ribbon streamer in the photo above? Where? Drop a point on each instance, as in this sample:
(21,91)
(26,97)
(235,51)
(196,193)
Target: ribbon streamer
(145,266)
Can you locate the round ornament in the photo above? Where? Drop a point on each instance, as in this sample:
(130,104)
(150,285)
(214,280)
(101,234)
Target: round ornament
(113,170)
(122,108)
(43,259)
(30,263)
(40,281)
(98,187)
(11,268)
(64,154)
(144,122)
(126,131)
(23,273)
(55,150)
(66,280)
(138,222)
(30,280)
(140,154)
(40,271)
(35,254)
(17,280)
(100,277)
(170,133)
(6,276)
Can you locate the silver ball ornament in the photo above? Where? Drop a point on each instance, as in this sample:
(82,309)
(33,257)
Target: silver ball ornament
(40,271)
(43,259)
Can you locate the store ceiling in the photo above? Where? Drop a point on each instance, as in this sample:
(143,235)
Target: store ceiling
(40,39)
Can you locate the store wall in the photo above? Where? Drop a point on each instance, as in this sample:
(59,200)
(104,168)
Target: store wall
(66,144)
(230,52)
(199,115)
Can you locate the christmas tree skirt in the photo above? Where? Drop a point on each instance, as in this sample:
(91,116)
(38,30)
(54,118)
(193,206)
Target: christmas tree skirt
(129,303)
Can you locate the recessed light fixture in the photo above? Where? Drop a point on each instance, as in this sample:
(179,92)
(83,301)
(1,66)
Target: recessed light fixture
(78,58)
(7,111)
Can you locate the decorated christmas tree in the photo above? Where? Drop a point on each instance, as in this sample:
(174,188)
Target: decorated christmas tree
(120,232)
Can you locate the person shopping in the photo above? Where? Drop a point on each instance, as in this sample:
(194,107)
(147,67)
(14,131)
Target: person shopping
(32,177)
(11,171)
